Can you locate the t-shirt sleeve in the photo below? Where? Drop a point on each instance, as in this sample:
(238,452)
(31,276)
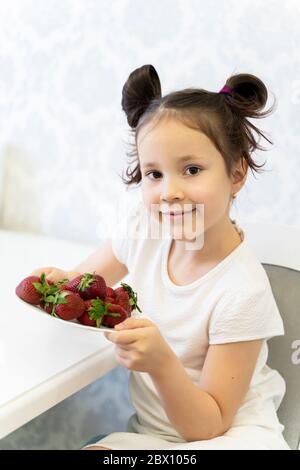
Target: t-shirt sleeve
(245,316)
(120,241)
(120,249)
(124,237)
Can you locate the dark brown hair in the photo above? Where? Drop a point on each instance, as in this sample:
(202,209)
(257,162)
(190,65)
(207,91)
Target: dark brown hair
(221,117)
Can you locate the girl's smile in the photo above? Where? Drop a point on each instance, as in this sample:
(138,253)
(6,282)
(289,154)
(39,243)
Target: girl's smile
(178,215)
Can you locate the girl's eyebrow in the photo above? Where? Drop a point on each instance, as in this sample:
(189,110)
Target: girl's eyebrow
(181,159)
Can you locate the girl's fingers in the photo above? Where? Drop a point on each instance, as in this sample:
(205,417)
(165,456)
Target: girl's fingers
(122,337)
(52,274)
(39,271)
(123,355)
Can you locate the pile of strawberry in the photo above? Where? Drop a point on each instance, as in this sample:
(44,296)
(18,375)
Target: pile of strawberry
(85,298)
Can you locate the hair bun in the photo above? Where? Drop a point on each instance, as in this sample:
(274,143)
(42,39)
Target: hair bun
(249,94)
(141,87)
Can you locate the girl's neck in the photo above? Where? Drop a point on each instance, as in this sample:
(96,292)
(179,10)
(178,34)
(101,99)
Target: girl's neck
(219,242)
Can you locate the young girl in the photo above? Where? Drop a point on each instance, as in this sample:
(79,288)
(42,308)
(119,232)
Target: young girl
(199,378)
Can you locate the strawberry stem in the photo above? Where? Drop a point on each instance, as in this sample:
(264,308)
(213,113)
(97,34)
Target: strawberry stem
(86,281)
(97,311)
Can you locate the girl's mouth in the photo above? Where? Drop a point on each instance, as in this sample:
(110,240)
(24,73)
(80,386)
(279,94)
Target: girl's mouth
(179,215)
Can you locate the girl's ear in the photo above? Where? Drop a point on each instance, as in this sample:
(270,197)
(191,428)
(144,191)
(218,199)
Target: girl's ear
(239,175)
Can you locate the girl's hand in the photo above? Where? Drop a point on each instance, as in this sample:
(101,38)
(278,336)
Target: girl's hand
(52,274)
(140,346)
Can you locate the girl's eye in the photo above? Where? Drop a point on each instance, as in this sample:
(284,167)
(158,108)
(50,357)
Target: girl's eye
(158,173)
(195,167)
(152,172)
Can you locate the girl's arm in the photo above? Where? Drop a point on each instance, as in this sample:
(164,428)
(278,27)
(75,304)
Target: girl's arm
(104,263)
(207,411)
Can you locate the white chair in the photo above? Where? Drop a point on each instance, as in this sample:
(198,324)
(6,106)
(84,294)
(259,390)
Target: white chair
(277,247)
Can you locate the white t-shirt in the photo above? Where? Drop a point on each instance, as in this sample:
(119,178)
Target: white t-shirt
(232,302)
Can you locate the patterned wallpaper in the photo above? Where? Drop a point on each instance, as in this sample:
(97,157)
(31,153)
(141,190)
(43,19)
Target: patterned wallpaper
(63,64)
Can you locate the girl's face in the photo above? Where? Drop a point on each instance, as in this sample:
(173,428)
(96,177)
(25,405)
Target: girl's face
(181,168)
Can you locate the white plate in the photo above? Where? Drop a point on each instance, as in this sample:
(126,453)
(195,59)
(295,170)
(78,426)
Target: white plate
(70,322)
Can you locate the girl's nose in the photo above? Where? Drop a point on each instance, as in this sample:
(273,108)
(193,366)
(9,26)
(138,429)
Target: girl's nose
(171,191)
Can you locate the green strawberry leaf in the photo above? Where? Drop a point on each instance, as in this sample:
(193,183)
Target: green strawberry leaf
(62,282)
(38,287)
(132,296)
(97,311)
(49,298)
(44,288)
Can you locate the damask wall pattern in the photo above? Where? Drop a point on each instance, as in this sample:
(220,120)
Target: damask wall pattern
(63,64)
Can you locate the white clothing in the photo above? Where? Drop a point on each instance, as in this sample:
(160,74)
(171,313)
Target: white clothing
(232,302)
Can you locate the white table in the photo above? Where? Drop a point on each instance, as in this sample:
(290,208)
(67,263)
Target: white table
(42,361)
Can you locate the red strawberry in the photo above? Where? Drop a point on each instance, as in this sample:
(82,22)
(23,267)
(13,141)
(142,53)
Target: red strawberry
(85,317)
(46,306)
(51,295)
(131,294)
(88,286)
(27,292)
(110,292)
(95,312)
(68,305)
(116,315)
(33,288)
(122,298)
(70,286)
